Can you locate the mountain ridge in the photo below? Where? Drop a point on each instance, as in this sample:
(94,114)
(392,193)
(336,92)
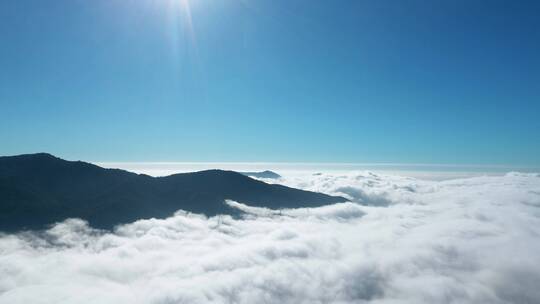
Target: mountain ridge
(39,189)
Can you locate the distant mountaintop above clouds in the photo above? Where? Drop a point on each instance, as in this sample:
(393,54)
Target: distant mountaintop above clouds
(262,174)
(40,189)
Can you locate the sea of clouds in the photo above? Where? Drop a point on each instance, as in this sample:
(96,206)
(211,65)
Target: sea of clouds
(399,240)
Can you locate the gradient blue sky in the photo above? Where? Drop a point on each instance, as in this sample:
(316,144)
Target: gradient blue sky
(256,80)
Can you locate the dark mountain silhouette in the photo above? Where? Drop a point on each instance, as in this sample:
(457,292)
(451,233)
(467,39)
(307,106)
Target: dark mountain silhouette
(40,189)
(263,174)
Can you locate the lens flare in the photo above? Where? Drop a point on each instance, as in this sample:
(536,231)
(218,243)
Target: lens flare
(180,24)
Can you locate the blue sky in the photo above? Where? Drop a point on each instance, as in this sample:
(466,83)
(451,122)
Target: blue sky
(454,82)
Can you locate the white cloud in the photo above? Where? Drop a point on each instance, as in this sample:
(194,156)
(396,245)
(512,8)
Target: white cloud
(472,240)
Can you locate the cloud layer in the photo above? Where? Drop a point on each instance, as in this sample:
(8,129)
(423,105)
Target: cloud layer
(402,240)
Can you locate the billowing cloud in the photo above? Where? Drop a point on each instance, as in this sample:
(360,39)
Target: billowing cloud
(401,240)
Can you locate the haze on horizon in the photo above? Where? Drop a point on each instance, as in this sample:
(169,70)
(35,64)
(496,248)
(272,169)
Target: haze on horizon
(420,171)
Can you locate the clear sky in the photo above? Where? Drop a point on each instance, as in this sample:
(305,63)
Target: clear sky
(454,82)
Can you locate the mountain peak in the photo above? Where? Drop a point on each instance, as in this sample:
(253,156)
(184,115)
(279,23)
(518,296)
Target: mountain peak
(40,155)
(263,174)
